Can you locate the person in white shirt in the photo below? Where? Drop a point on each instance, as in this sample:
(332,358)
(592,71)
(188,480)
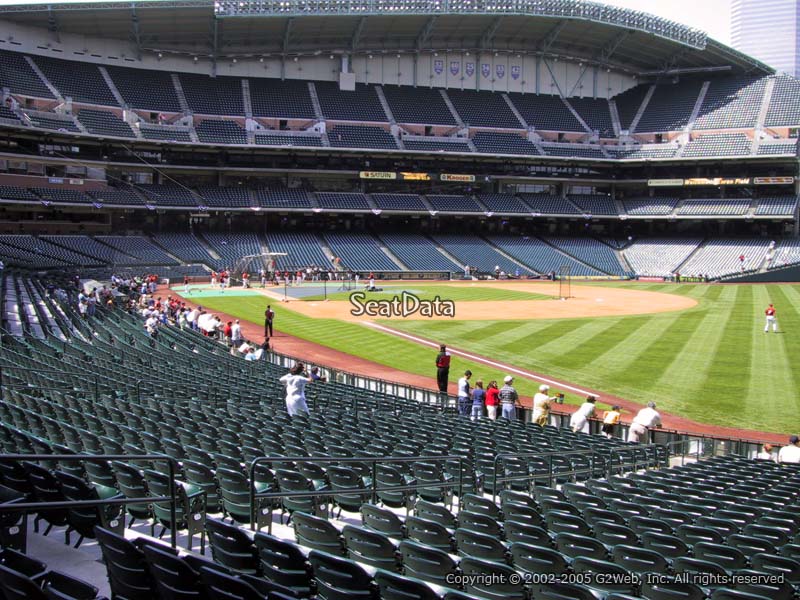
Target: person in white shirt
(791,452)
(236,333)
(579,421)
(295,382)
(463,394)
(766,453)
(644,420)
(541,405)
(191,318)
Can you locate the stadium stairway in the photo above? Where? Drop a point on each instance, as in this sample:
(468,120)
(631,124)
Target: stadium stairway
(507,256)
(392,256)
(326,249)
(165,250)
(208,247)
(623,260)
(692,254)
(697,105)
(443,251)
(573,257)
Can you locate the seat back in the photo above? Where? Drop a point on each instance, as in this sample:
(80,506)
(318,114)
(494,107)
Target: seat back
(397,587)
(284,563)
(221,586)
(494,581)
(435,512)
(128,573)
(319,534)
(231,547)
(536,559)
(370,547)
(428,532)
(426,563)
(725,556)
(480,545)
(639,560)
(174,578)
(339,579)
(480,523)
(524,533)
(382,520)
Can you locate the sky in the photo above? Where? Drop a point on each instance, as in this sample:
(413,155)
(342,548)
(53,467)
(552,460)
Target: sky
(712,16)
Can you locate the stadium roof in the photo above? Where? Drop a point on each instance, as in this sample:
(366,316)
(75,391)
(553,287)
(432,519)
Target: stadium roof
(616,38)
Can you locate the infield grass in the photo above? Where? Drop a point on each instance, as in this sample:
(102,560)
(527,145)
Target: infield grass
(712,363)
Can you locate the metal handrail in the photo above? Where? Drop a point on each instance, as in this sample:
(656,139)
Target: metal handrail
(634,448)
(373,489)
(547,455)
(172,498)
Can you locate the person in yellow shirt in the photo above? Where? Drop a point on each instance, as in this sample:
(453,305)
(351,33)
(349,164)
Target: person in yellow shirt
(611,420)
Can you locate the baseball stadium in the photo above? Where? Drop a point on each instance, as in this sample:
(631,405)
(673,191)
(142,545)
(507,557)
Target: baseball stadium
(394,300)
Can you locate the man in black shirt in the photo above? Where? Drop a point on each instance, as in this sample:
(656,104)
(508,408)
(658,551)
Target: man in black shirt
(269,315)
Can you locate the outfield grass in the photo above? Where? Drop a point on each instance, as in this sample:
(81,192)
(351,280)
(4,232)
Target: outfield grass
(429,292)
(712,363)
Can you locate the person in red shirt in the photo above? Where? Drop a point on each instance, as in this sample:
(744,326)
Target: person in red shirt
(770,312)
(492,400)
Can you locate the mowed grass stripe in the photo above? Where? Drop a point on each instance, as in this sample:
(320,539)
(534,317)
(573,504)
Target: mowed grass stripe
(690,368)
(567,335)
(768,353)
(593,346)
(729,374)
(771,354)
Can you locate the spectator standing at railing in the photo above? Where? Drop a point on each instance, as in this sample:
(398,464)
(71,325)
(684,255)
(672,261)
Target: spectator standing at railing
(541,405)
(492,400)
(508,398)
(646,419)
(766,453)
(236,333)
(610,421)
(463,393)
(579,421)
(478,398)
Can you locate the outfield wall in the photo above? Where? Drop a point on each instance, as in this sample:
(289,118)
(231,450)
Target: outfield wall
(785,274)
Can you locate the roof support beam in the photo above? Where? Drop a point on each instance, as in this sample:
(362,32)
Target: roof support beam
(287,32)
(214,44)
(549,39)
(608,50)
(357,34)
(488,35)
(52,23)
(136,32)
(425,33)
(672,61)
